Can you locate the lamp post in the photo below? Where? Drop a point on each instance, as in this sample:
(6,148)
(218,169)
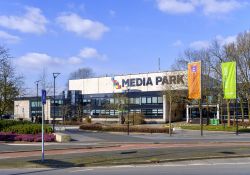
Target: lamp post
(37,82)
(54,106)
(127,95)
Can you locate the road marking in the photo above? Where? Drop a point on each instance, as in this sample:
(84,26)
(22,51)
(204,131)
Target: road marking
(167,165)
(82,170)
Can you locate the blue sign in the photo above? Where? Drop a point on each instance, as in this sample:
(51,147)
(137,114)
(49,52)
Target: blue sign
(43,96)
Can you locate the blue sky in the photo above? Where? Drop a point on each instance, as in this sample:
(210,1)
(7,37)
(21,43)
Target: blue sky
(111,36)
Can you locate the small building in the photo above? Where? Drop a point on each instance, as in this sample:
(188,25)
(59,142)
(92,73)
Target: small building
(30,108)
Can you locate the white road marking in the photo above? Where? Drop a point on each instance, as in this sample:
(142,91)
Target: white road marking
(165,165)
(82,170)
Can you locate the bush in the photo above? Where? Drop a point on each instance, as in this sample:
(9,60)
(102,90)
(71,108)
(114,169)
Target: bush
(135,119)
(124,128)
(8,123)
(97,127)
(87,120)
(9,136)
(28,129)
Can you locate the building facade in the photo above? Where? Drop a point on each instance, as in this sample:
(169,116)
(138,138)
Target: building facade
(140,93)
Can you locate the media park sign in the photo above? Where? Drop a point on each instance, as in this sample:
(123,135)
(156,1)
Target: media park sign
(173,79)
(157,81)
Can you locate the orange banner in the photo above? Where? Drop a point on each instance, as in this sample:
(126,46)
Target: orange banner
(194,80)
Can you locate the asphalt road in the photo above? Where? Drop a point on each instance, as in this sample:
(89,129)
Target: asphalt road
(88,138)
(180,136)
(205,167)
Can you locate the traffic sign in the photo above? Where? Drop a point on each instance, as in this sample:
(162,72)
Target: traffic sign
(43,96)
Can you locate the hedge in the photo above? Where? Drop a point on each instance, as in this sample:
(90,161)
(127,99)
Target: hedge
(28,129)
(10,136)
(8,123)
(124,128)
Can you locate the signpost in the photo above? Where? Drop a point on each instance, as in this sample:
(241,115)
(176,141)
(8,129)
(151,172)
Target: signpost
(43,103)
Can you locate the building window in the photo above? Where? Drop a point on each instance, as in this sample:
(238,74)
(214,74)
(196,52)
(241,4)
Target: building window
(149,100)
(160,100)
(137,101)
(131,100)
(154,100)
(112,101)
(143,100)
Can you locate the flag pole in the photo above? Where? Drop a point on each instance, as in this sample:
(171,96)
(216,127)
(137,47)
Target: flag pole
(200,103)
(236,113)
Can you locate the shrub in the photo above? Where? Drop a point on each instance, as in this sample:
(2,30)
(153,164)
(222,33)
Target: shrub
(8,123)
(124,128)
(97,127)
(9,136)
(87,120)
(135,119)
(28,129)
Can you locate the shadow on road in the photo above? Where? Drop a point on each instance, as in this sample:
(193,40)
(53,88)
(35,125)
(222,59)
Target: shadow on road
(32,172)
(52,163)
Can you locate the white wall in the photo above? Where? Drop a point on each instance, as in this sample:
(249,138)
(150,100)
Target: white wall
(105,84)
(22,109)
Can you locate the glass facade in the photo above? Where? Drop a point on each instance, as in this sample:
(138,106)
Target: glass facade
(150,104)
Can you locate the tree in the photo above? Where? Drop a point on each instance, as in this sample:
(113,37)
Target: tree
(82,73)
(120,104)
(10,82)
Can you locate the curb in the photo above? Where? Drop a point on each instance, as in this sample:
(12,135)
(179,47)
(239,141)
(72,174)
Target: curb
(173,160)
(87,147)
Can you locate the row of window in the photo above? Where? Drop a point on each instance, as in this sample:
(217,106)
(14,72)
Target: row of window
(136,101)
(39,103)
(146,112)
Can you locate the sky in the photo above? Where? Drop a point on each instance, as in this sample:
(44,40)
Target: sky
(112,36)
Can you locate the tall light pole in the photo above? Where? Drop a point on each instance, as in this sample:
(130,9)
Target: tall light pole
(54,104)
(37,82)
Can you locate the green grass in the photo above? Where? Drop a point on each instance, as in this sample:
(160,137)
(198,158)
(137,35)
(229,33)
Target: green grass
(215,128)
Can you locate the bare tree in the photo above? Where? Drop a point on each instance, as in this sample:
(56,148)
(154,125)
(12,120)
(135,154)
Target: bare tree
(10,82)
(82,73)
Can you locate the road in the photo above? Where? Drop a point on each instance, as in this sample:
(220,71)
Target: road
(205,167)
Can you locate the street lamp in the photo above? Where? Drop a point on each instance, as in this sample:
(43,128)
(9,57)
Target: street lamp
(127,96)
(36,82)
(54,106)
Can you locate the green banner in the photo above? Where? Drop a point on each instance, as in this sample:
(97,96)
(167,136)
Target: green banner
(229,79)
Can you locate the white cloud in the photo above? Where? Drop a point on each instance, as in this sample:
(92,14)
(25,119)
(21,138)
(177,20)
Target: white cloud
(36,60)
(175,6)
(219,6)
(208,7)
(226,40)
(31,22)
(75,60)
(177,43)
(199,45)
(89,52)
(8,37)
(82,27)
(205,44)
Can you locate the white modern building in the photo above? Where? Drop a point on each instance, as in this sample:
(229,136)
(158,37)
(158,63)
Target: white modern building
(145,93)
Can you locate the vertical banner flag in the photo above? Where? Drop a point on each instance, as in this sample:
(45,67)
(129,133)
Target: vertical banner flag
(194,80)
(229,79)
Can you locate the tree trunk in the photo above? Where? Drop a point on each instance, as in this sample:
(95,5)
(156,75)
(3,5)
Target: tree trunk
(242,110)
(248,101)
(228,113)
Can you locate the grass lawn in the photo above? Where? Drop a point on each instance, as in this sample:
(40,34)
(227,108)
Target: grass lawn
(214,128)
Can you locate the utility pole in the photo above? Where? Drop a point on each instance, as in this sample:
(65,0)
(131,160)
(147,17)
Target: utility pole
(159,64)
(54,104)
(37,100)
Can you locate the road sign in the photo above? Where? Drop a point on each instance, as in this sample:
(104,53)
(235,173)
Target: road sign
(43,96)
